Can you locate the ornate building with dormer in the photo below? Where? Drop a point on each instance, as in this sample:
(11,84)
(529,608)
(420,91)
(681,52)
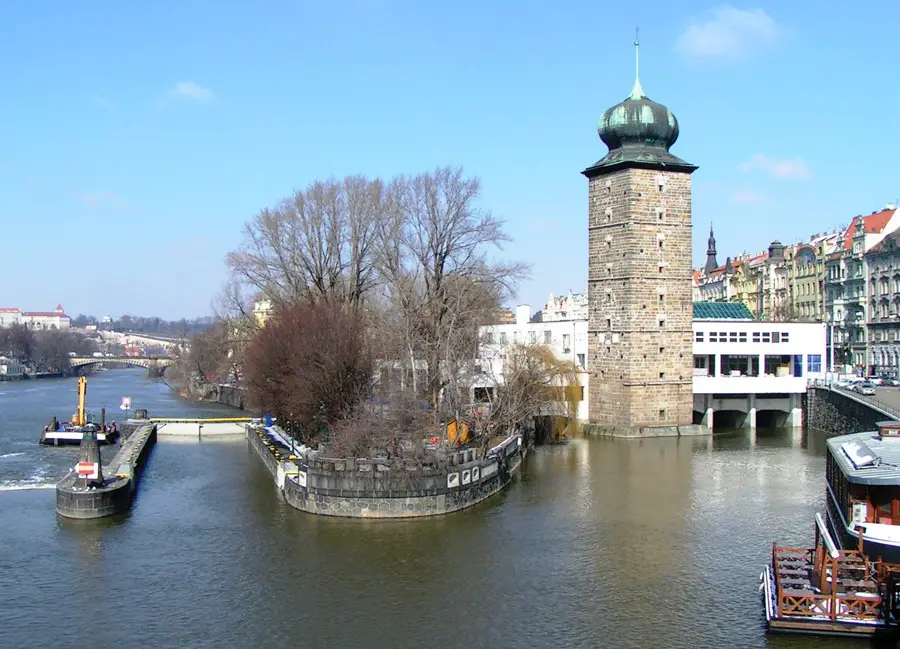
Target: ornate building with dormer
(639,272)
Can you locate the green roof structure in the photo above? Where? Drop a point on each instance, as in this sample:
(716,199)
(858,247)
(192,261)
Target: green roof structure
(721,311)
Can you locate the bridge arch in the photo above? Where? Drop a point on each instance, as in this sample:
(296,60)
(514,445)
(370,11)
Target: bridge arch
(150,364)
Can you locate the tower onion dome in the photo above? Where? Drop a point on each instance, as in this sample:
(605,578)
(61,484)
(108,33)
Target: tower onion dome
(639,133)
(638,121)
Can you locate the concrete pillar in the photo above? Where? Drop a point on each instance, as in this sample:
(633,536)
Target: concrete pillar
(795,419)
(708,412)
(751,411)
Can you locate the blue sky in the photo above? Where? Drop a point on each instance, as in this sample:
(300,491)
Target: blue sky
(137,138)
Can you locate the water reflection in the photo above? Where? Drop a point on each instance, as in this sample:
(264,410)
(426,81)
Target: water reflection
(613,543)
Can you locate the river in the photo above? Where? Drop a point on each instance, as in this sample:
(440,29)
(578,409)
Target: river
(601,543)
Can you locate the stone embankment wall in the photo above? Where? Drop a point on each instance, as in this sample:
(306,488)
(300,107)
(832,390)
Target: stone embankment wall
(231,396)
(835,412)
(360,488)
(121,475)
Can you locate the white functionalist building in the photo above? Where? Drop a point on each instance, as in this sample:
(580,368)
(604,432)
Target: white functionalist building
(566,338)
(753,372)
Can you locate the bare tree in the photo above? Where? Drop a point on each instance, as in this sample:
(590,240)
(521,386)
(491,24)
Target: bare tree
(317,244)
(530,381)
(311,365)
(437,271)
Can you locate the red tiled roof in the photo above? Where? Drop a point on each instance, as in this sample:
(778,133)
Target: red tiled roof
(9,309)
(45,314)
(873,224)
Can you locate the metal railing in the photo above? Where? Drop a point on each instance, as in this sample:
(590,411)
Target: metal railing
(872,402)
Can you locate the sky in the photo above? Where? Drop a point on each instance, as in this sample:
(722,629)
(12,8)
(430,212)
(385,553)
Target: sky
(138,138)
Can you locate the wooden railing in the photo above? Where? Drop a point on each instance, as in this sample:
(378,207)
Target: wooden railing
(836,604)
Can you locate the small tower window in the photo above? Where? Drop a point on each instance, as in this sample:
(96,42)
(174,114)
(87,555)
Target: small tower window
(662,414)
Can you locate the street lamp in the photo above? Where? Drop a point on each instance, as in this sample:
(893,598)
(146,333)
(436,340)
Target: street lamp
(830,344)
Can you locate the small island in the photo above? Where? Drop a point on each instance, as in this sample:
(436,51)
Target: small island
(359,333)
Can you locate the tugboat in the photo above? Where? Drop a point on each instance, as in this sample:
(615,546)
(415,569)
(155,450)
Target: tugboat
(58,433)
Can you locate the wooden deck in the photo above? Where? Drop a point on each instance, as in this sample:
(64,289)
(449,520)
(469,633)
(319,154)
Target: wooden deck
(826,590)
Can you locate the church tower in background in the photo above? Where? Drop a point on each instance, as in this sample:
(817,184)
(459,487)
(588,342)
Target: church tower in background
(639,273)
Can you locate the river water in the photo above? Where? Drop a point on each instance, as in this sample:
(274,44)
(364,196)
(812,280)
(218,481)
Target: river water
(601,543)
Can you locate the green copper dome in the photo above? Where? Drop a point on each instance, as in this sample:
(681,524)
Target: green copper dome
(638,121)
(638,132)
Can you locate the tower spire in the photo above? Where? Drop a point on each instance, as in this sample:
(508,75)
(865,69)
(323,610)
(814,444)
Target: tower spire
(711,262)
(637,92)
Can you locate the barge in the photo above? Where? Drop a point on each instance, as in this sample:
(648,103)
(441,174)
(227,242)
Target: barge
(863,491)
(827,590)
(58,433)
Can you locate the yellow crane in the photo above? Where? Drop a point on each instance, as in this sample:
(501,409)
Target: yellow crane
(80,418)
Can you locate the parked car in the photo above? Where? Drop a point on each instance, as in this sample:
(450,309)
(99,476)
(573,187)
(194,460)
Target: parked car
(874,380)
(866,389)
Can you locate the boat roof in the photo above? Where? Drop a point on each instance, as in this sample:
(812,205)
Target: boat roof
(867,458)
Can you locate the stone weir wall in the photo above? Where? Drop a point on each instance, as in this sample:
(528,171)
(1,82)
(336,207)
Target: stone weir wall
(121,475)
(838,413)
(231,396)
(362,488)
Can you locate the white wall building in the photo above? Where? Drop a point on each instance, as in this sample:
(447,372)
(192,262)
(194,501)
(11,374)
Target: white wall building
(34,319)
(10,316)
(750,371)
(56,319)
(747,366)
(573,306)
(10,368)
(566,338)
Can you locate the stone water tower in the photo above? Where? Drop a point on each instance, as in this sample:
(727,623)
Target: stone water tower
(639,274)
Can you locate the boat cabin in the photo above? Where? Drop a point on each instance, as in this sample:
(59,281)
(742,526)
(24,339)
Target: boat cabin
(863,475)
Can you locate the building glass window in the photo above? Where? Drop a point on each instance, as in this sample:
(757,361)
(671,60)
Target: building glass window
(532,337)
(814,363)
(742,337)
(548,335)
(798,365)
(756,336)
(698,337)
(503,338)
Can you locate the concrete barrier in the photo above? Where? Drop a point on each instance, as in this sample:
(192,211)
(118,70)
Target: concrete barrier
(199,429)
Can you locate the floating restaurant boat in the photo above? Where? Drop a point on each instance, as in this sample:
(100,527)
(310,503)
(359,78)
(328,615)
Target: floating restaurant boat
(829,591)
(863,491)
(58,433)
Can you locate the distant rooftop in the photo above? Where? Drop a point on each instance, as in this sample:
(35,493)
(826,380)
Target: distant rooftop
(721,311)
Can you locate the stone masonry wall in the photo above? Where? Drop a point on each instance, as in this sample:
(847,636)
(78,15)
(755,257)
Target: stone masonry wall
(834,412)
(640,305)
(492,476)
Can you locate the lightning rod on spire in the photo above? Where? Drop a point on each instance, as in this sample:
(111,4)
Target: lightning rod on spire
(637,92)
